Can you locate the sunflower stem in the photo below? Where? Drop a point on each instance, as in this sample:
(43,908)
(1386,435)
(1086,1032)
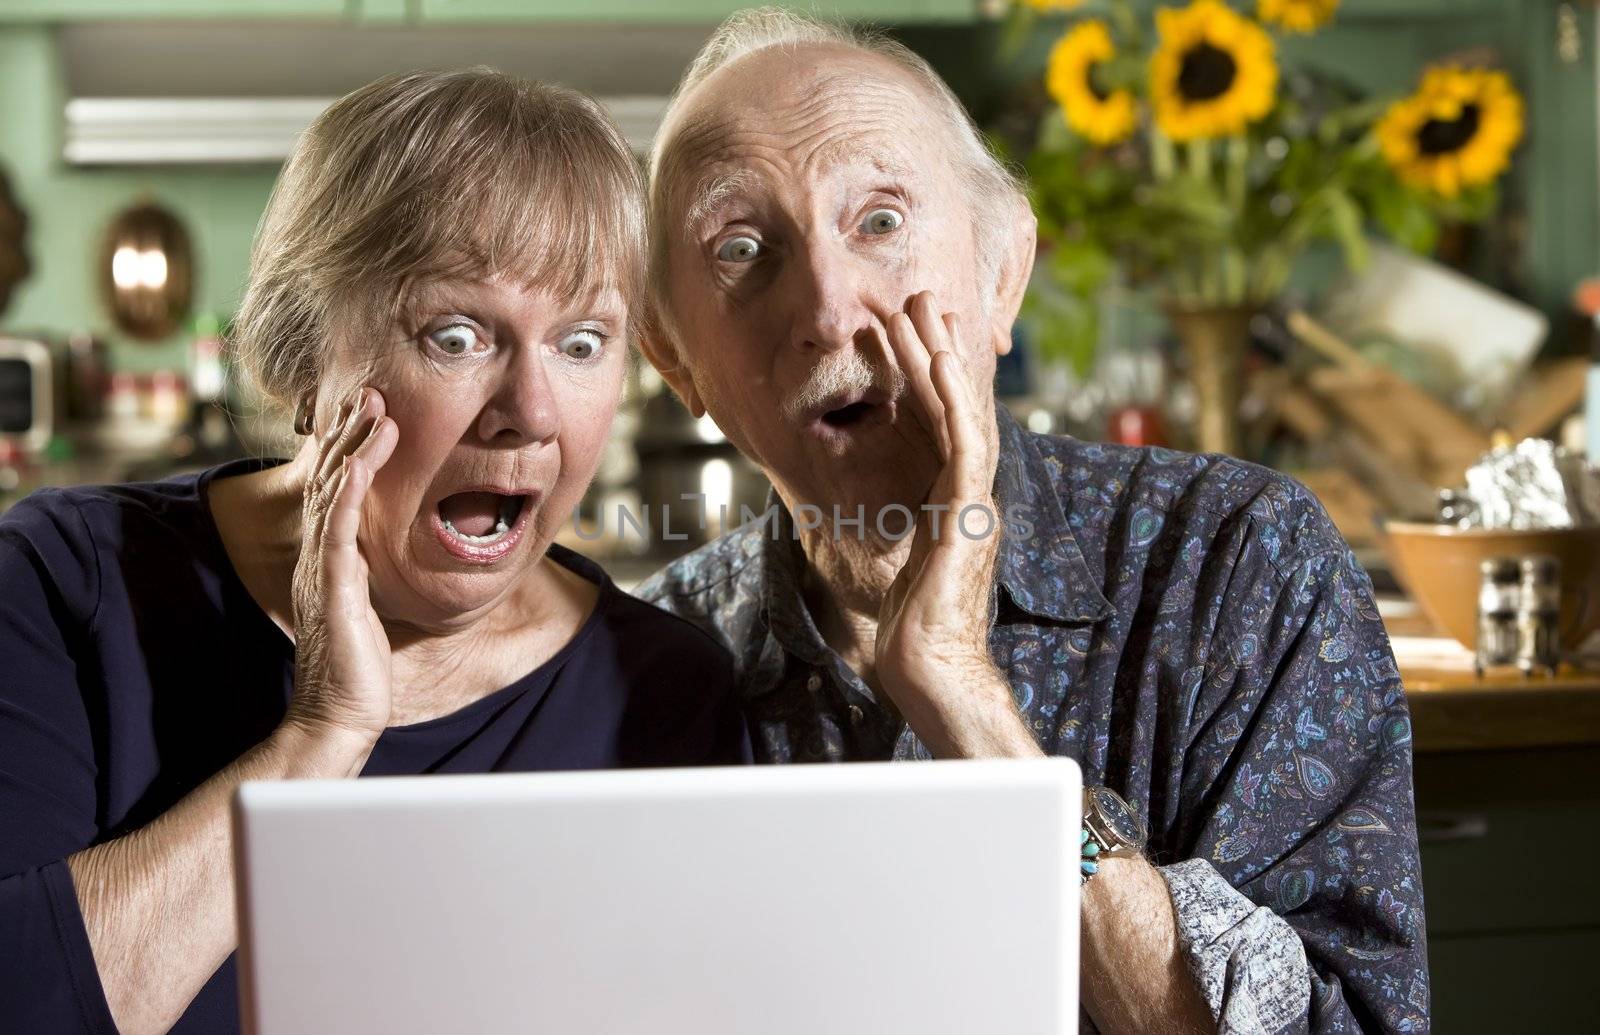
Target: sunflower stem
(1162,160)
(1235,171)
(1200,158)
(1127,23)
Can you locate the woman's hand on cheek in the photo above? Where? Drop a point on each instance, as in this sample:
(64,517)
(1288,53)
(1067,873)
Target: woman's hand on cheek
(342,663)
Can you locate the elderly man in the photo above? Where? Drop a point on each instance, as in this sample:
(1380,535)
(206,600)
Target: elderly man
(837,262)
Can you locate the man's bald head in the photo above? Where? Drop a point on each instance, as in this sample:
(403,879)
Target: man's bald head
(777,48)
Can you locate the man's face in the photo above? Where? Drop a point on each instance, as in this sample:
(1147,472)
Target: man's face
(813,192)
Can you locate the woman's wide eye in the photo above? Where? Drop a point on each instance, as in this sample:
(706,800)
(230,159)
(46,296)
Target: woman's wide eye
(881,221)
(455,340)
(739,249)
(581,345)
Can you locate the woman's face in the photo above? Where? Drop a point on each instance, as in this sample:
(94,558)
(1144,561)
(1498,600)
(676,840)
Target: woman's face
(504,396)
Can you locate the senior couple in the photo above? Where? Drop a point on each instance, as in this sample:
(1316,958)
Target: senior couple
(442,293)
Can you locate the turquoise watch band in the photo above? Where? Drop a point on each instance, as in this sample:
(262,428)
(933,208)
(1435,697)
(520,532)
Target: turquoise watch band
(1090,850)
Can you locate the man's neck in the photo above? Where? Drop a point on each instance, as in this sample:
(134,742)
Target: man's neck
(845,583)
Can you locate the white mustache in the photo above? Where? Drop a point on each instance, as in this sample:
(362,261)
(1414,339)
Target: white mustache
(846,372)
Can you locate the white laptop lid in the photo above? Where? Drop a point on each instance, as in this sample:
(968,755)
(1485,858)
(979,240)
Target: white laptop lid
(922,898)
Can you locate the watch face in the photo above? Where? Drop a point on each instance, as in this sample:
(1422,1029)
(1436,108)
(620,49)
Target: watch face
(1121,821)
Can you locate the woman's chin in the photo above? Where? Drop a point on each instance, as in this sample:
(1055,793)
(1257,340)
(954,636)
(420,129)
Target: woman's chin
(446,589)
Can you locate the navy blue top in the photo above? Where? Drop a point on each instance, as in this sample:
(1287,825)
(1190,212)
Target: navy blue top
(134,665)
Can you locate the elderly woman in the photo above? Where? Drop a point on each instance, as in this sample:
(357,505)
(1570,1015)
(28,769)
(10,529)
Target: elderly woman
(443,290)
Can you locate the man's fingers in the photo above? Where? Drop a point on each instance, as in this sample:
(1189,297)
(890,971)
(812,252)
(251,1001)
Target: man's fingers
(912,356)
(968,450)
(931,325)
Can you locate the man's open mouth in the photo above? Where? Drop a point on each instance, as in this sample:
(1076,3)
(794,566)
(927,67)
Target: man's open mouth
(852,410)
(481,524)
(845,416)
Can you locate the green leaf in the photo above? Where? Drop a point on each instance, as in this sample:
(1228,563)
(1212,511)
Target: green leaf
(1406,218)
(1345,223)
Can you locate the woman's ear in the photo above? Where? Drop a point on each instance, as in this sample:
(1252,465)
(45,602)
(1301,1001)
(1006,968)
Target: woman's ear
(659,349)
(1016,268)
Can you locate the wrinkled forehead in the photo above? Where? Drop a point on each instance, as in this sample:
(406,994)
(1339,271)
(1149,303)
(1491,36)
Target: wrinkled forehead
(796,119)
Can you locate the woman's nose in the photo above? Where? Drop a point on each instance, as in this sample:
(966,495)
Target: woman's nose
(522,411)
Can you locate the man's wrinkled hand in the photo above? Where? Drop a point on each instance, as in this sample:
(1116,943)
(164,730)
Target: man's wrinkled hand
(932,652)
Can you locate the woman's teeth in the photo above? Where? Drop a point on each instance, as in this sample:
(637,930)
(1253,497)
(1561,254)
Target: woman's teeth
(469,508)
(500,529)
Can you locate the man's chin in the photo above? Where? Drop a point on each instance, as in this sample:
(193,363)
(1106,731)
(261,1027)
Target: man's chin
(870,501)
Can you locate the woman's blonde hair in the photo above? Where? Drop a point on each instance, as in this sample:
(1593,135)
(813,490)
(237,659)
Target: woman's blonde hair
(443,174)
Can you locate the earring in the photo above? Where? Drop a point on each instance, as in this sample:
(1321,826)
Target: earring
(302,416)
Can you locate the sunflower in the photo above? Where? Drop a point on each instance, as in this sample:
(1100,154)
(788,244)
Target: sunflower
(1213,72)
(1103,116)
(1297,15)
(1457,131)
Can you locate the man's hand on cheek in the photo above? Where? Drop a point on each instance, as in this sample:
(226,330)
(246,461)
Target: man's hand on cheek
(932,652)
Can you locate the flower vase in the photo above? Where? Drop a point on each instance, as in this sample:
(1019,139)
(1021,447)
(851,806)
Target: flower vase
(1214,340)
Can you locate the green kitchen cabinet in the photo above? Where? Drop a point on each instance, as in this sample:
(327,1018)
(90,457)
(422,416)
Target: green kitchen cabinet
(1512,918)
(83,10)
(708,11)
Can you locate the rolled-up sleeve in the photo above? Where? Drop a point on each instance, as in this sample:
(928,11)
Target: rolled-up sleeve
(1246,960)
(47,777)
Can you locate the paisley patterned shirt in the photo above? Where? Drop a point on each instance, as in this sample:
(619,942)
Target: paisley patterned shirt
(1194,632)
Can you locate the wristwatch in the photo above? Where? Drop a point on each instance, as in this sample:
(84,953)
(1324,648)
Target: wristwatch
(1111,828)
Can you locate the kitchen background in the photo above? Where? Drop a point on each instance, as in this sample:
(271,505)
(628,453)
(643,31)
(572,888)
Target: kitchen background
(1416,334)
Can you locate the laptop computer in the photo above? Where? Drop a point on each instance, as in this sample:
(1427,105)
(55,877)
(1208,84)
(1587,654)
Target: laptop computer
(938,897)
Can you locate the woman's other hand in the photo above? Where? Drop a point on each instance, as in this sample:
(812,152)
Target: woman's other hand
(342,662)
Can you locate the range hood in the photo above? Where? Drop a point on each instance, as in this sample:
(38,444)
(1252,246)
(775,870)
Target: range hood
(241,130)
(210,93)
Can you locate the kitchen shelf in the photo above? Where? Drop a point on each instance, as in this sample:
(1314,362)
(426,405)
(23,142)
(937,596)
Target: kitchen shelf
(669,11)
(80,10)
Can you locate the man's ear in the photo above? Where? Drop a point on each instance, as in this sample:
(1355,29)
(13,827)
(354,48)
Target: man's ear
(659,349)
(1016,268)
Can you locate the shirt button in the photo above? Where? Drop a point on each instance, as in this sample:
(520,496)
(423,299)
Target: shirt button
(814,683)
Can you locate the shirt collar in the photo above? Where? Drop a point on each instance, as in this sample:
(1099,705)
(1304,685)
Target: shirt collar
(1044,572)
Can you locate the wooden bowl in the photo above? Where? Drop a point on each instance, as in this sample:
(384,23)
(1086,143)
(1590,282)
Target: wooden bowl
(1438,566)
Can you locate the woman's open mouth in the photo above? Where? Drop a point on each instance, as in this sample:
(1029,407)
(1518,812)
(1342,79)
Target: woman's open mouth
(482,525)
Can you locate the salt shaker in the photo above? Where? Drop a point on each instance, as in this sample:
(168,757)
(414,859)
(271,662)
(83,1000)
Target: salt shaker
(1498,595)
(1539,615)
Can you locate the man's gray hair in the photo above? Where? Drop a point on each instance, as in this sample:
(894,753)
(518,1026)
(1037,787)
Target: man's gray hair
(992,189)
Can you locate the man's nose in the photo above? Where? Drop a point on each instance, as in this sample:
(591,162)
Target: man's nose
(830,298)
(522,411)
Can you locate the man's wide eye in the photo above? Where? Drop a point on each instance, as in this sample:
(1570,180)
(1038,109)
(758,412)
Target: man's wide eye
(739,249)
(881,221)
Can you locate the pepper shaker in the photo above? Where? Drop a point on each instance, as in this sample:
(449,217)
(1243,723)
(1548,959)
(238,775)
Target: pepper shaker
(1539,615)
(1498,595)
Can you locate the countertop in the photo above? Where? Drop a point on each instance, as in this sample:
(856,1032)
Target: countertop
(1453,709)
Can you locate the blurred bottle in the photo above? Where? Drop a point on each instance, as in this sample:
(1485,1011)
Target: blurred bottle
(1587,301)
(208,376)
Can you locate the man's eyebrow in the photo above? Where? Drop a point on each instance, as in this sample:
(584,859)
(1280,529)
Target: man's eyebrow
(711,192)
